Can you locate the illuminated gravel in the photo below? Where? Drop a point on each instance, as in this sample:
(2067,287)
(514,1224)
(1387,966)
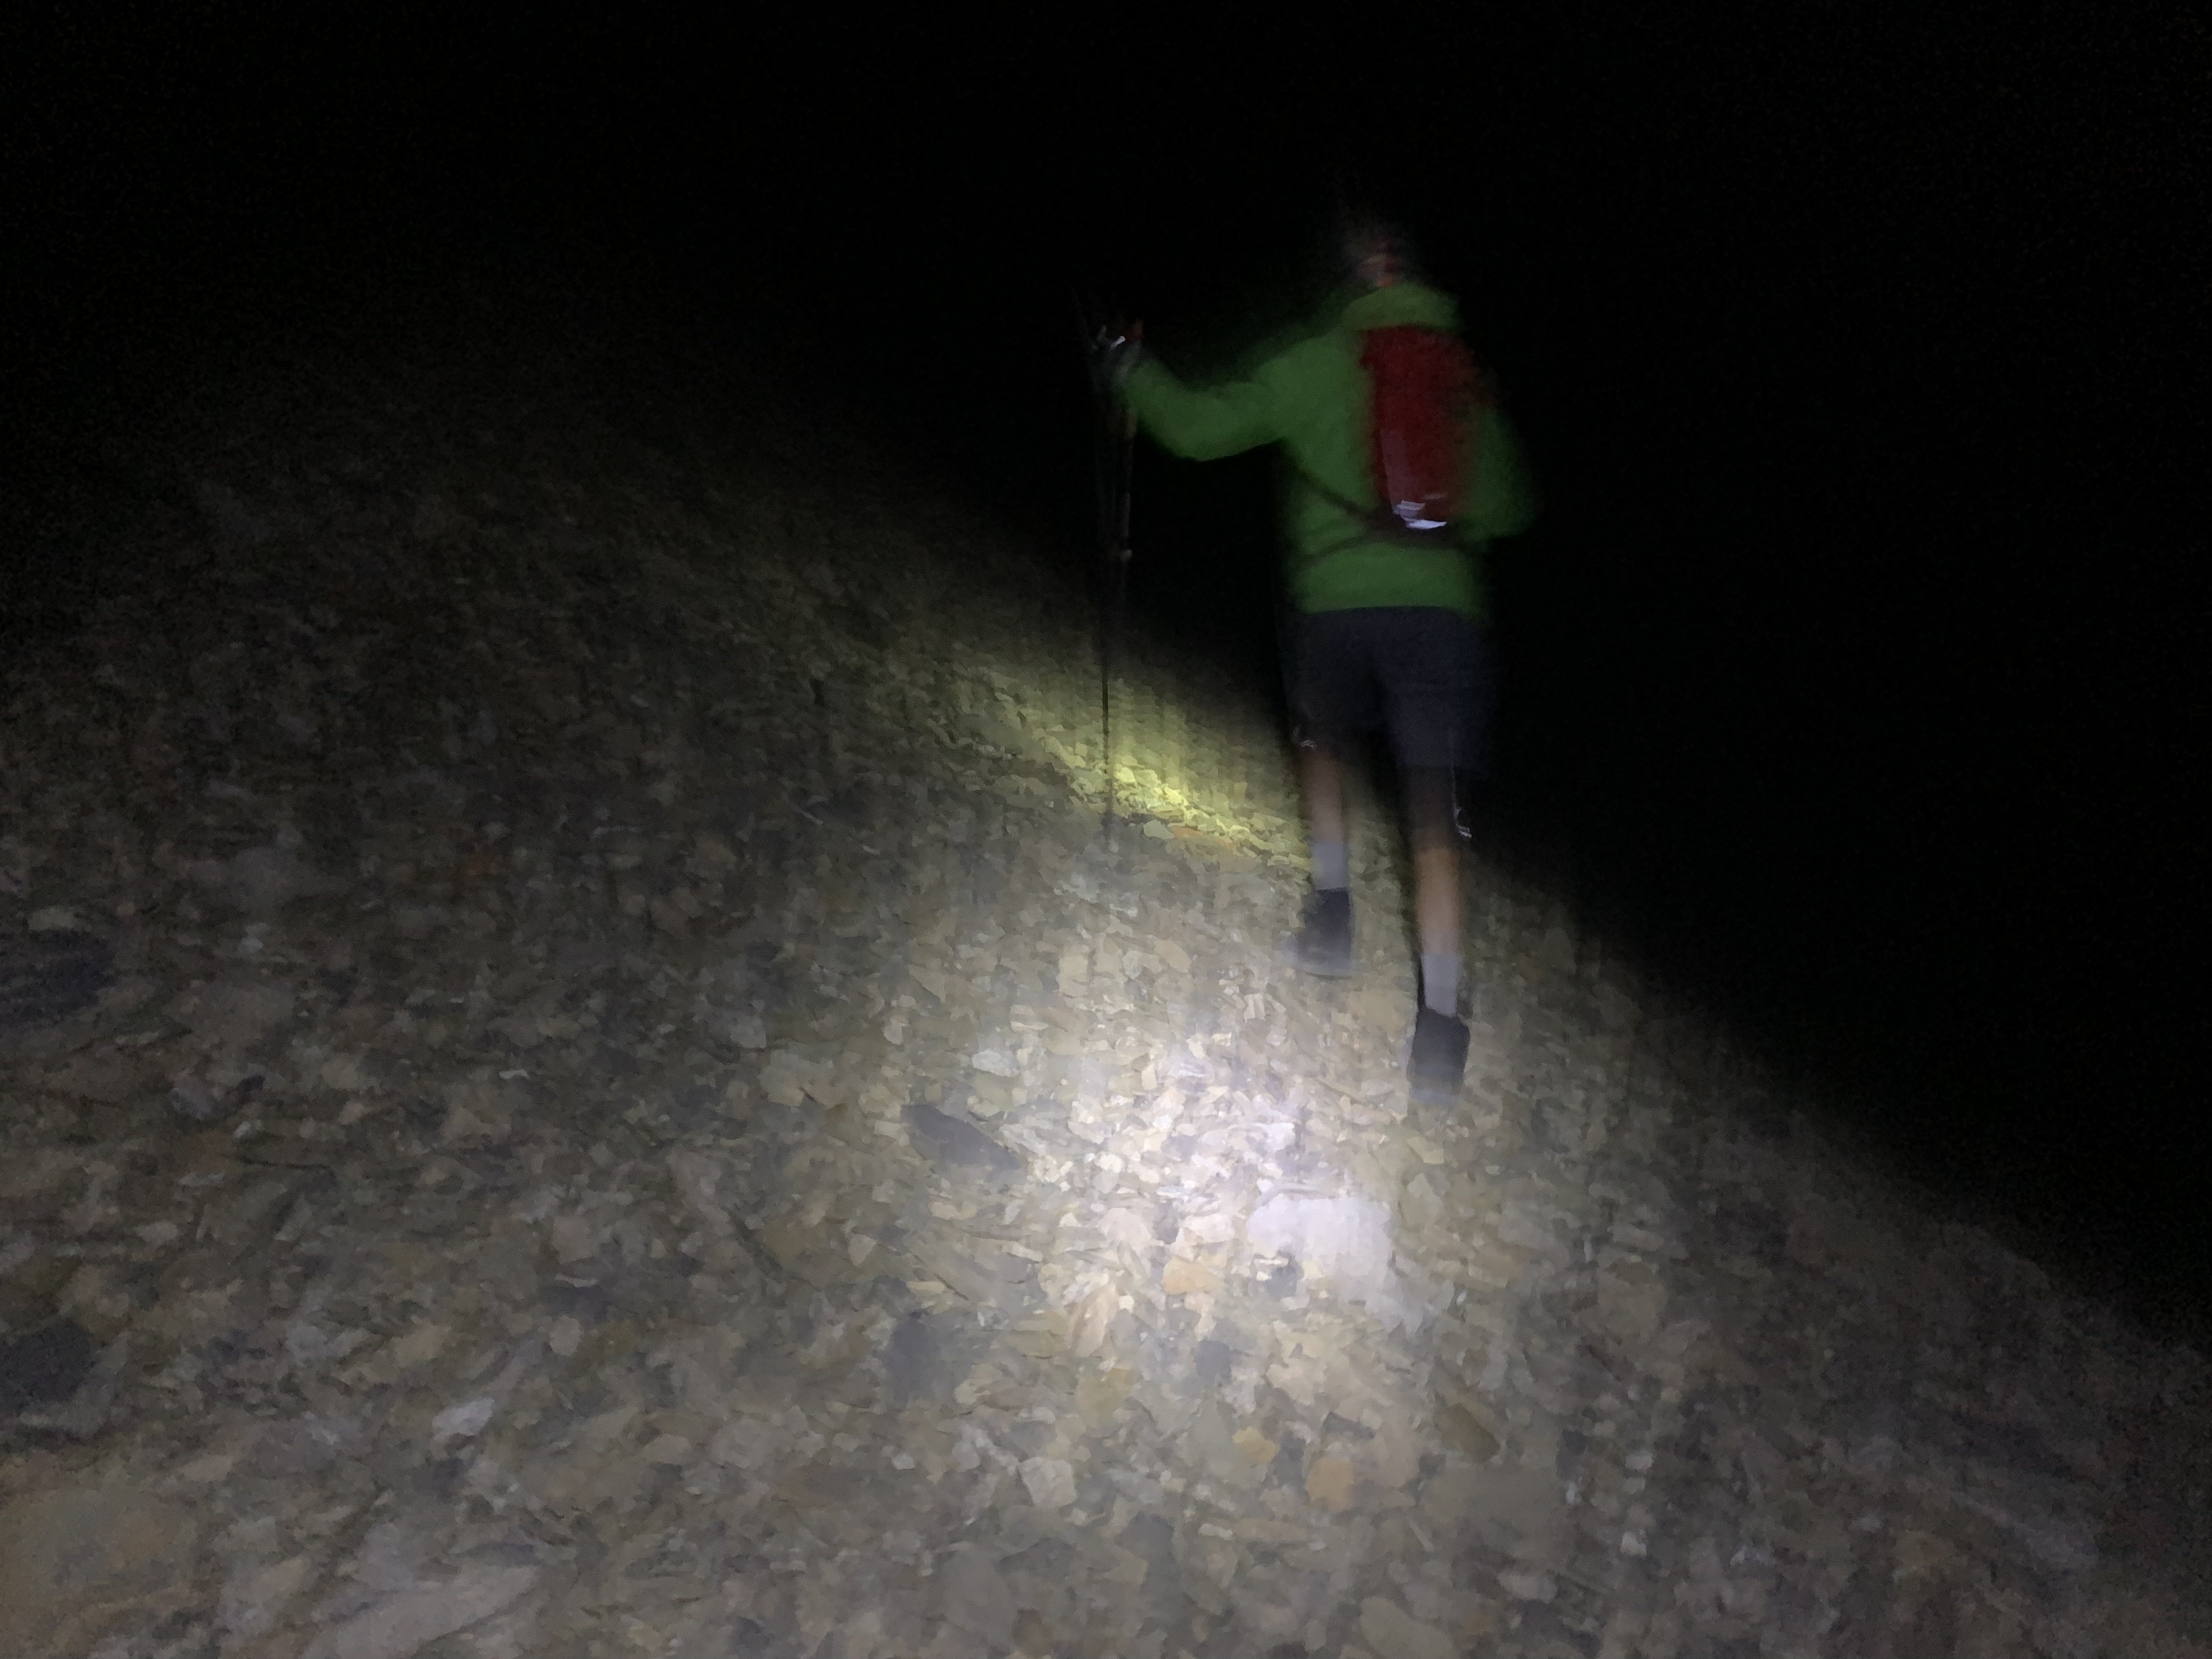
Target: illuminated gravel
(633,1110)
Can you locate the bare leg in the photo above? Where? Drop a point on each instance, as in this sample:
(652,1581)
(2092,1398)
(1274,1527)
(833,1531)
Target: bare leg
(1437,1064)
(1321,779)
(1433,830)
(1437,896)
(1323,944)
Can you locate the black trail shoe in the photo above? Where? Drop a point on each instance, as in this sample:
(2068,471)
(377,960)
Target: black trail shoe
(1439,1058)
(1322,943)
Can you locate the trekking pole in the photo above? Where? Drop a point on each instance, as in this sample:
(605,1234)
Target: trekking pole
(1114,457)
(1122,438)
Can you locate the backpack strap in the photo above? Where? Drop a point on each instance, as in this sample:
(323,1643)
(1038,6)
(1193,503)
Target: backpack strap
(1376,524)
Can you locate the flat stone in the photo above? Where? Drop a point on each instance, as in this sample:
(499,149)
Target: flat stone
(915,1359)
(1462,1430)
(45,1366)
(976,1596)
(1389,1628)
(955,1144)
(45,977)
(1329,1481)
(1050,1481)
(1185,1278)
(412,1618)
(74,1561)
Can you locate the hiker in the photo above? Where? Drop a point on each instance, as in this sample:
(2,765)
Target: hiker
(1388,631)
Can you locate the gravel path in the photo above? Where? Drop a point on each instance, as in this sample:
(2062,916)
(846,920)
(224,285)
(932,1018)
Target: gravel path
(582,1080)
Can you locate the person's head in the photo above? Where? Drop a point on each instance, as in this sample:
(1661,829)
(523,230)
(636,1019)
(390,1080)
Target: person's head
(1377,253)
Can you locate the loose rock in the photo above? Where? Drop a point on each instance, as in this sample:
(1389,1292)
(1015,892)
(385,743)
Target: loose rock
(464,1048)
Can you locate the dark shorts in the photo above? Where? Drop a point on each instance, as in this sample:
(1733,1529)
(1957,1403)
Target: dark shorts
(1425,677)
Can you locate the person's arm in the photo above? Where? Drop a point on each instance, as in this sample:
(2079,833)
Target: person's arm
(1201,424)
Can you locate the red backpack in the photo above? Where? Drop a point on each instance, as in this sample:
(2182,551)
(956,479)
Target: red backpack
(1426,393)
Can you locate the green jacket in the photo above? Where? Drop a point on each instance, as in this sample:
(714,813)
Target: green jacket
(1311,397)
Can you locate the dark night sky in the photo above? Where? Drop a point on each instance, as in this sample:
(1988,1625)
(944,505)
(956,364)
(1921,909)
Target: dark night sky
(1851,668)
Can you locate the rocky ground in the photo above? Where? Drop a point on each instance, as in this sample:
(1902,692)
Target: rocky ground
(581,1080)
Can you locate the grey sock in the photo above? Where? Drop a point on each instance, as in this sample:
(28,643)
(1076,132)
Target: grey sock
(1440,981)
(1332,865)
